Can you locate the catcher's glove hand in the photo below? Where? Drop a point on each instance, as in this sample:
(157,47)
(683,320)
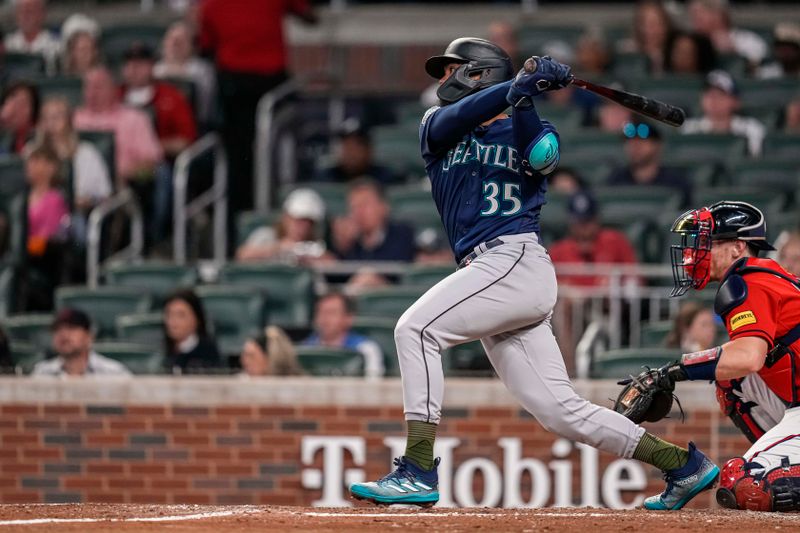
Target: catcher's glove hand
(648,396)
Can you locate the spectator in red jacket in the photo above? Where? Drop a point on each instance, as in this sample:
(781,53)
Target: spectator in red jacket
(174,118)
(588,242)
(246,39)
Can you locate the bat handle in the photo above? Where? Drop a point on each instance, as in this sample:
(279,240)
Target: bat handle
(530,65)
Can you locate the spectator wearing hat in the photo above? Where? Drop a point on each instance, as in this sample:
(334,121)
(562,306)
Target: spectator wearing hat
(19,112)
(785,51)
(353,157)
(712,18)
(79,35)
(645,167)
(72,343)
(250,52)
(31,36)
(720,101)
(297,236)
(588,242)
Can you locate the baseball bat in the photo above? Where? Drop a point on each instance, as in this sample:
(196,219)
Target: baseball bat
(649,107)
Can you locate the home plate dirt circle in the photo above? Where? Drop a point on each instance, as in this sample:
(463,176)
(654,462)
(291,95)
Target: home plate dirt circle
(233,519)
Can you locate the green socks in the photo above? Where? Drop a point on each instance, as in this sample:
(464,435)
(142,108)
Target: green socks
(419,446)
(659,453)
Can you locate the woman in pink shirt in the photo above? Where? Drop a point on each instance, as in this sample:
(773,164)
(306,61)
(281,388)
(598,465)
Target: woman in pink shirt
(47,210)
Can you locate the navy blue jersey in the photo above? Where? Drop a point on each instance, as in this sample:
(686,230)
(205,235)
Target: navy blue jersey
(478,185)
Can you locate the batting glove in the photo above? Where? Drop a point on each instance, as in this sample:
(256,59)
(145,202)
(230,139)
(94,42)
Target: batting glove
(549,75)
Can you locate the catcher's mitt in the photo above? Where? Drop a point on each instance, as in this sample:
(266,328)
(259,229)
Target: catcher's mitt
(648,396)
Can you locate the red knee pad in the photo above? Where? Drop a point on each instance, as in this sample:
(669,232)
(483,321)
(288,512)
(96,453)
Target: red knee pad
(737,489)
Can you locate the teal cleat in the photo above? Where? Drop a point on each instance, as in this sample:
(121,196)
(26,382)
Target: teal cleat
(685,483)
(408,484)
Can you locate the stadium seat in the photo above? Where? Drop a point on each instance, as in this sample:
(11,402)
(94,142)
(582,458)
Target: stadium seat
(33,328)
(380,330)
(768,200)
(115,40)
(783,175)
(778,91)
(630,65)
(654,333)
(410,112)
(567,119)
(12,179)
(249,221)
(704,147)
(784,146)
(426,275)
(533,38)
(595,172)
(468,359)
(390,302)
(616,364)
(235,311)
(683,91)
(19,65)
(138,358)
(104,142)
(290,289)
(412,201)
(398,148)
(141,328)
(156,278)
(603,148)
(635,200)
(322,361)
(104,304)
(25,355)
(61,86)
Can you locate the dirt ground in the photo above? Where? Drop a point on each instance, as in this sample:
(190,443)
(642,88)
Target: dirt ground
(232,519)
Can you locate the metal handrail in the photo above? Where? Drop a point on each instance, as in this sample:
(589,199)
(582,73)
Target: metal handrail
(263,160)
(216,196)
(125,201)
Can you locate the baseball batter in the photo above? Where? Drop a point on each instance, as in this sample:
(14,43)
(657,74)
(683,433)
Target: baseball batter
(487,172)
(758,372)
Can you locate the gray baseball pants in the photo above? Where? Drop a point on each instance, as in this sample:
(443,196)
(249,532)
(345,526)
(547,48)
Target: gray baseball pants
(505,298)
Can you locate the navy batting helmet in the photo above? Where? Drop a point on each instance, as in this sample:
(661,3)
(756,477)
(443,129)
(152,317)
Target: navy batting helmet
(476,56)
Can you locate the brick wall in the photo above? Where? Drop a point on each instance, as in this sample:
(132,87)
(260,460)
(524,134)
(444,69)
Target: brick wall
(250,454)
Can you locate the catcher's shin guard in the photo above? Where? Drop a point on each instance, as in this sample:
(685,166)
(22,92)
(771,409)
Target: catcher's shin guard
(777,490)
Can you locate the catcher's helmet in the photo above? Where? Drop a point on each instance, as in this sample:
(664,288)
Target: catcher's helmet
(698,228)
(476,56)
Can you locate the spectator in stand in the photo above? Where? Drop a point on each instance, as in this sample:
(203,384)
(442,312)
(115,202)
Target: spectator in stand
(81,52)
(367,233)
(719,102)
(179,61)
(712,18)
(354,158)
(651,27)
(250,52)
(791,116)
(72,343)
(588,242)
(296,237)
(270,353)
(693,329)
(785,53)
(645,167)
(689,54)
(333,320)
(19,112)
(188,345)
(48,215)
(788,244)
(174,118)
(137,148)
(592,54)
(31,36)
(566,181)
(90,181)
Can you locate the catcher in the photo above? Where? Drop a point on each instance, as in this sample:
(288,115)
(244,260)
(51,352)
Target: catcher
(757,372)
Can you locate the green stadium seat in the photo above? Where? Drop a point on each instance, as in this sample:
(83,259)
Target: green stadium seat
(683,91)
(7,289)
(141,328)
(390,302)
(33,328)
(778,91)
(567,119)
(410,201)
(768,200)
(61,86)
(249,221)
(155,277)
(783,175)
(398,148)
(104,142)
(380,330)
(636,200)
(19,65)
(616,364)
(410,113)
(322,361)
(138,358)
(654,333)
(334,195)
(104,304)
(235,311)
(602,147)
(25,355)
(116,39)
(533,38)
(783,146)
(735,64)
(468,359)
(290,289)
(630,65)
(426,275)
(704,147)
(12,179)
(595,172)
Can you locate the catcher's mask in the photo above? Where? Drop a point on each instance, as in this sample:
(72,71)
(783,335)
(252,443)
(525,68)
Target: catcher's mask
(480,59)
(698,228)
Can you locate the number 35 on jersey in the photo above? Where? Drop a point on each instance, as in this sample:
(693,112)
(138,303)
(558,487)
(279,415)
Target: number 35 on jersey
(501,198)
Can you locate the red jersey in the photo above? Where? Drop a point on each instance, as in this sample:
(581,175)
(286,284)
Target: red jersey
(608,246)
(172,113)
(247,35)
(769,311)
